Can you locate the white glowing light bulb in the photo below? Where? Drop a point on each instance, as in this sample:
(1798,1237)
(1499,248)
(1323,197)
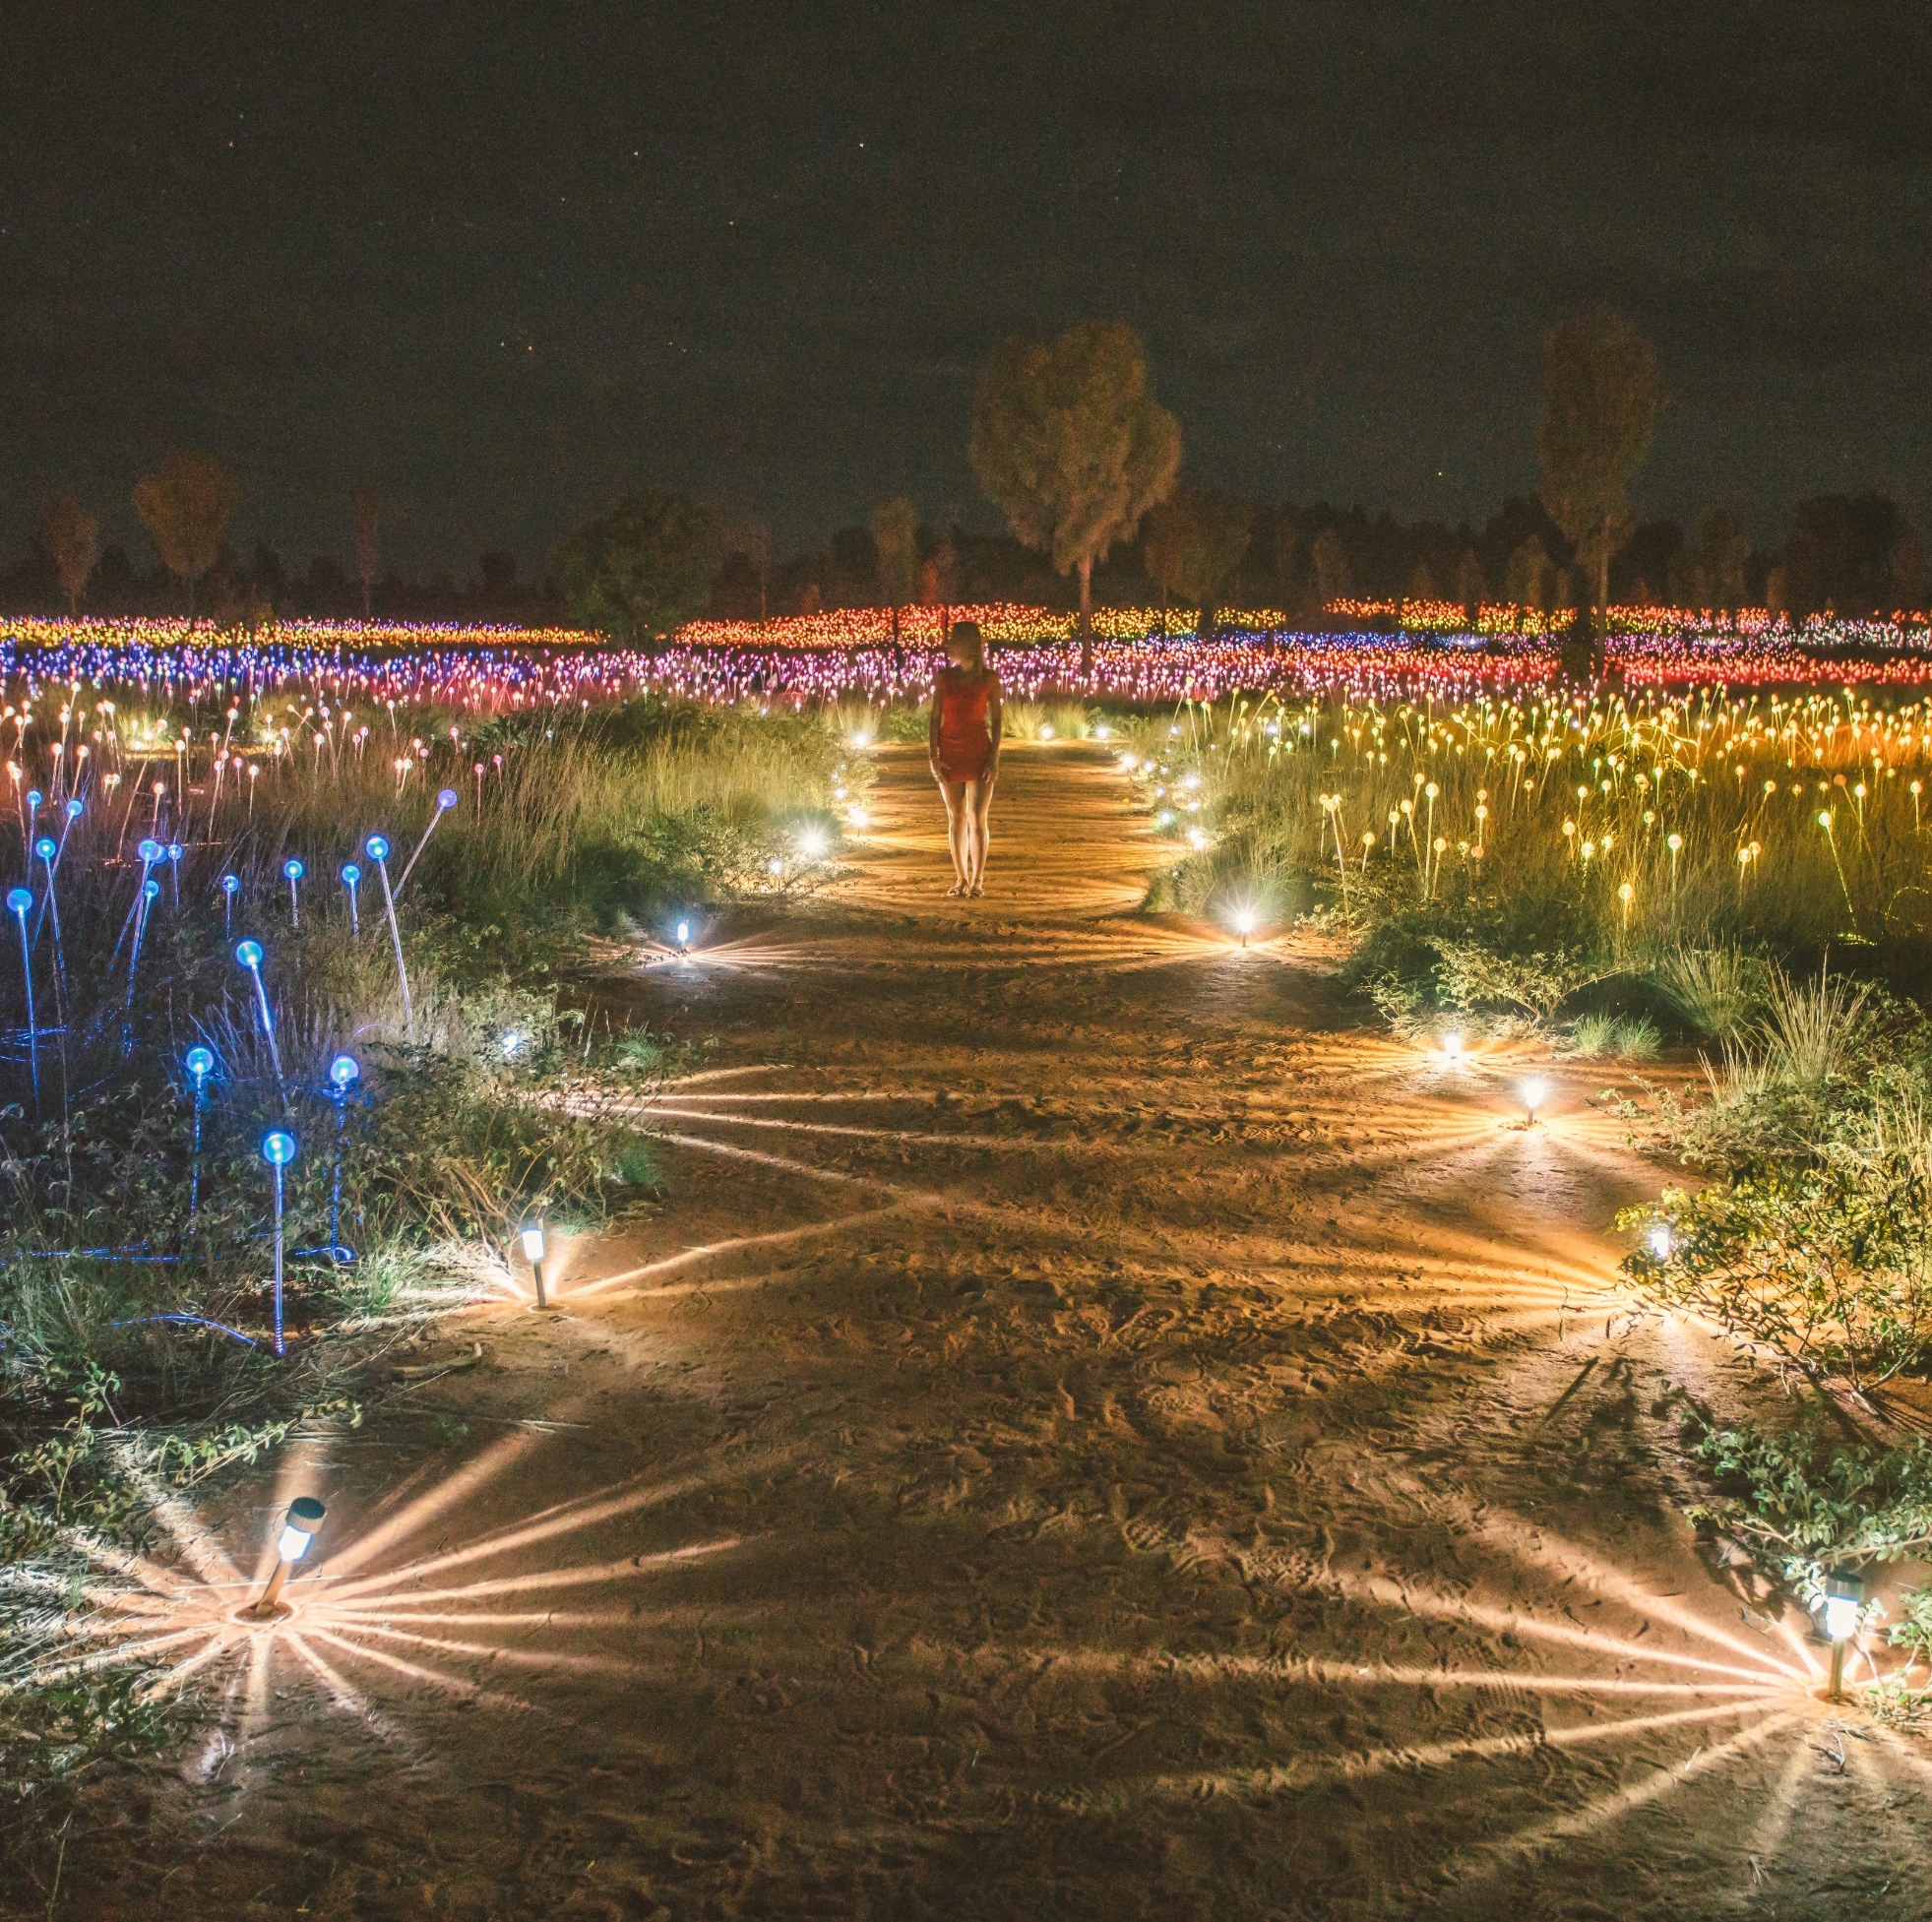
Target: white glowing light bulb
(531,1236)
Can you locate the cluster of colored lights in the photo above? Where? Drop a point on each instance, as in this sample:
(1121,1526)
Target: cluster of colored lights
(1645,795)
(813,659)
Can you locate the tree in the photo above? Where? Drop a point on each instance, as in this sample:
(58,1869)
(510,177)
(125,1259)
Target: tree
(1530,577)
(1333,578)
(365,512)
(1073,448)
(184,506)
(70,536)
(1601,397)
(1714,574)
(1841,554)
(644,568)
(896,538)
(1193,543)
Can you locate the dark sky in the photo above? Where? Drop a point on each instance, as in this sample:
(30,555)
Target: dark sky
(503,261)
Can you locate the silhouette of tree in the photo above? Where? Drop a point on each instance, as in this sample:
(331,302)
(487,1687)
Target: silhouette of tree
(70,536)
(1601,397)
(896,541)
(1192,545)
(642,569)
(184,506)
(1332,576)
(365,512)
(1531,577)
(1073,448)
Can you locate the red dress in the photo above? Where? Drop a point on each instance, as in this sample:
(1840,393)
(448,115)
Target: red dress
(966,742)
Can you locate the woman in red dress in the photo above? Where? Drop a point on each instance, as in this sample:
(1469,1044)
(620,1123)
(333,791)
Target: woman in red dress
(963,746)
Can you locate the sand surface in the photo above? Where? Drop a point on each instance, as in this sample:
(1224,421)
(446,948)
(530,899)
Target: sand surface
(1091,1432)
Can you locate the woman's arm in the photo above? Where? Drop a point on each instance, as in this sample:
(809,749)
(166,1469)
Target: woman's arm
(932,731)
(995,726)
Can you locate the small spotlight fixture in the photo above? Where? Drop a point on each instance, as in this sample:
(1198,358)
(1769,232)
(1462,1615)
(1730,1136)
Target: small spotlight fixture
(530,1234)
(298,1530)
(683,936)
(1451,1045)
(1845,1607)
(1662,1240)
(1534,1092)
(1244,923)
(812,844)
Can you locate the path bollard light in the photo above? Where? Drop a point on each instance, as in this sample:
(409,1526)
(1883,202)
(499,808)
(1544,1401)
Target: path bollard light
(19,900)
(230,888)
(292,871)
(531,1236)
(352,877)
(1244,923)
(683,937)
(298,1530)
(1534,1091)
(278,1151)
(199,1063)
(812,844)
(377,850)
(1451,1045)
(446,799)
(1662,1240)
(1844,1606)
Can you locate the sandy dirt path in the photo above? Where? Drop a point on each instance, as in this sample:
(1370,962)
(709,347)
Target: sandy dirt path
(1090,1432)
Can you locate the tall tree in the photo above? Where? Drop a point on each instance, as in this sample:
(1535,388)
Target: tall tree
(365,514)
(1193,543)
(644,568)
(1601,397)
(72,537)
(1073,448)
(185,505)
(896,538)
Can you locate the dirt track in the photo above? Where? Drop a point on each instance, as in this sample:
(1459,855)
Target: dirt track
(1090,1434)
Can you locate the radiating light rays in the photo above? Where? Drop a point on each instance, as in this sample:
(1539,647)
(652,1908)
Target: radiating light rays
(1310,1771)
(1535,1545)
(1528,1843)
(349,1631)
(898,1137)
(784,1162)
(454,1489)
(631,1279)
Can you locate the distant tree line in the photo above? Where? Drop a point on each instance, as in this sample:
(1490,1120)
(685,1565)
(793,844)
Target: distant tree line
(1069,443)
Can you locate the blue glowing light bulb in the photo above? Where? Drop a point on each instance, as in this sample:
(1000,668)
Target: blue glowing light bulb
(351,874)
(19,900)
(230,884)
(277,1148)
(293,868)
(153,890)
(150,852)
(74,809)
(344,1072)
(375,847)
(35,797)
(47,847)
(446,799)
(175,850)
(249,953)
(200,1063)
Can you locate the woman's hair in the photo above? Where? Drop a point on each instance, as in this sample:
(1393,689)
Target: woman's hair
(966,634)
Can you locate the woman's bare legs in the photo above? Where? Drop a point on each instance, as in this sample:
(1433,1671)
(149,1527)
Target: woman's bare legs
(978,799)
(959,827)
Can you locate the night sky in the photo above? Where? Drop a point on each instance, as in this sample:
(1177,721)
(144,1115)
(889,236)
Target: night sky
(502,262)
